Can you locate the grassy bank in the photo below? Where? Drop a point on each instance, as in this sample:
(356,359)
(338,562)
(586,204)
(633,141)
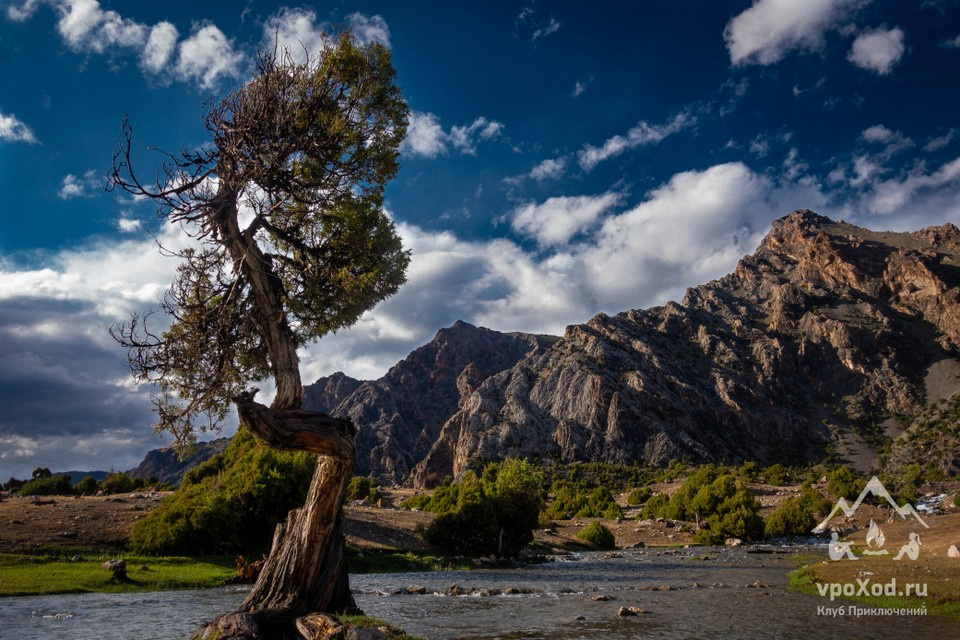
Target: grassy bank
(940,576)
(22,575)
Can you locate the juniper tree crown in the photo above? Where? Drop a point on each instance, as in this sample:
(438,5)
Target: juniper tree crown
(285,205)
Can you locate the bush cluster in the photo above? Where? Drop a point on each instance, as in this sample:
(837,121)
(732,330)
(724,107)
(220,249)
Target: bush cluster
(494,513)
(797,516)
(844,482)
(229,504)
(718,501)
(579,500)
(598,536)
(363,488)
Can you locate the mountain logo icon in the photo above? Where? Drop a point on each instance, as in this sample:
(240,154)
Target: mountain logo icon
(875,536)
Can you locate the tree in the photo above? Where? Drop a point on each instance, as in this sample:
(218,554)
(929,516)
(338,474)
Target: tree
(291,242)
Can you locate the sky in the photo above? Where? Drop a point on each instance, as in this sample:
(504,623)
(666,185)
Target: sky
(562,159)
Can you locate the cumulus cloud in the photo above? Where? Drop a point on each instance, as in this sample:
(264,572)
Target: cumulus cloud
(158,51)
(878,50)
(642,134)
(940,141)
(369,29)
(559,219)
(549,169)
(12,129)
(892,195)
(426,137)
(79,187)
(295,31)
(207,56)
(769,29)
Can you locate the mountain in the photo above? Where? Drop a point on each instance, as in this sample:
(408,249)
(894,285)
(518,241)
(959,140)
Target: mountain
(829,339)
(401,414)
(166,465)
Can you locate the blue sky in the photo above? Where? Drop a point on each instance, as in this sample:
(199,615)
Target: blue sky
(563,159)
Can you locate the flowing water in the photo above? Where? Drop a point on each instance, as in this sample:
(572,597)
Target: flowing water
(714,593)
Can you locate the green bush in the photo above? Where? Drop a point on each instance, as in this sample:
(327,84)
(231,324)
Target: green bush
(777,475)
(491,514)
(639,496)
(577,499)
(362,488)
(791,519)
(87,486)
(719,501)
(44,485)
(117,483)
(229,504)
(598,536)
(844,482)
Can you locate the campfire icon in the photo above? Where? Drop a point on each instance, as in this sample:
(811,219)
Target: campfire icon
(875,537)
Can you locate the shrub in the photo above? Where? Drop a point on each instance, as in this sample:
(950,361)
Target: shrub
(777,475)
(87,486)
(720,502)
(598,536)
(791,519)
(577,499)
(362,488)
(229,504)
(844,482)
(492,513)
(117,483)
(639,496)
(43,485)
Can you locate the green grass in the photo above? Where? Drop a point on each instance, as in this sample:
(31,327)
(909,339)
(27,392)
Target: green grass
(403,562)
(22,575)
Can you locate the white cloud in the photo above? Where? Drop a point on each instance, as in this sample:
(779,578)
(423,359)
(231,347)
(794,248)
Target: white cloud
(159,48)
(14,130)
(207,56)
(953,43)
(426,137)
(940,142)
(768,30)
(367,29)
(640,135)
(296,31)
(559,219)
(465,138)
(549,169)
(84,26)
(128,225)
(878,50)
(550,27)
(578,89)
(892,195)
(74,187)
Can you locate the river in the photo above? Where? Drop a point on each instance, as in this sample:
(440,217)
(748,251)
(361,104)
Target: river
(689,593)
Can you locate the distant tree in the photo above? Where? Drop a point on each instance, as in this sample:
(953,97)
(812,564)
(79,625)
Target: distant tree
(41,472)
(286,206)
(87,486)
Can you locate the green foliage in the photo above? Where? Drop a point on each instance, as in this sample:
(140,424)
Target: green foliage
(230,504)
(639,496)
(844,482)
(792,518)
(598,536)
(362,488)
(494,513)
(117,483)
(87,486)
(577,499)
(749,471)
(47,485)
(719,501)
(777,475)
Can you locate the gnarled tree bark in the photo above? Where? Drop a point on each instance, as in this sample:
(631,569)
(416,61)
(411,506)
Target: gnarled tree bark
(306,571)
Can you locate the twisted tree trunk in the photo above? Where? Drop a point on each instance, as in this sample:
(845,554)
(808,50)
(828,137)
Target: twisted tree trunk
(305,572)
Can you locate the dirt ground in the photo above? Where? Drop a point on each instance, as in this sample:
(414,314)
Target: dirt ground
(38,523)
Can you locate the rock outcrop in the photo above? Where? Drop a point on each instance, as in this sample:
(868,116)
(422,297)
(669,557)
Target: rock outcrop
(401,414)
(169,465)
(813,343)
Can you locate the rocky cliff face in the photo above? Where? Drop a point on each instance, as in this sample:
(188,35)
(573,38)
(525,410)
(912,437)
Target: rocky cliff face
(166,464)
(400,415)
(813,342)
